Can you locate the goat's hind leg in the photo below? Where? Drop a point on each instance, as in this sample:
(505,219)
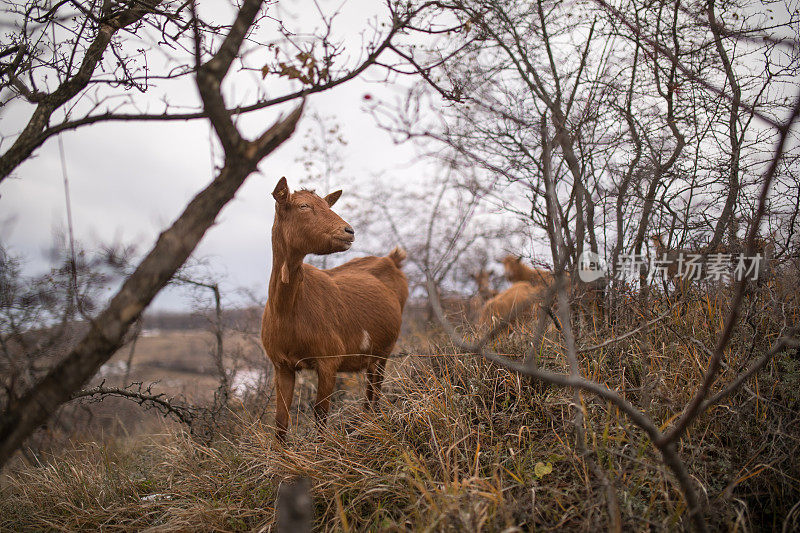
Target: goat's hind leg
(326,380)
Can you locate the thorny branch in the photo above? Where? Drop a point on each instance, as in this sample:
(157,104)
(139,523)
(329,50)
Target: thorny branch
(144,396)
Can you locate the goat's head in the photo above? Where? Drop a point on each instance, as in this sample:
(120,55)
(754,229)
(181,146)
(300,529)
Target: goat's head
(482,278)
(511,265)
(306,222)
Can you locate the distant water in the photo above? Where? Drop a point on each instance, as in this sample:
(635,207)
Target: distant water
(246,379)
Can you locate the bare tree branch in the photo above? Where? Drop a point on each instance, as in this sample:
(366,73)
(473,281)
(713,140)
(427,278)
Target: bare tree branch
(29,139)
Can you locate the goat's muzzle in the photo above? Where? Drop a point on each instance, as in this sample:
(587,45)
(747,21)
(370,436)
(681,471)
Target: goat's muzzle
(346,238)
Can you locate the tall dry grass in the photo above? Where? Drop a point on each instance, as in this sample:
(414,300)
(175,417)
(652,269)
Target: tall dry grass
(458,444)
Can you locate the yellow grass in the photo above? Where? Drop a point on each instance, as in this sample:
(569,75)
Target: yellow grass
(455,445)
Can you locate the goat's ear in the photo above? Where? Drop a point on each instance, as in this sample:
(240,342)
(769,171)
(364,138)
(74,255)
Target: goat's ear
(281,192)
(332,197)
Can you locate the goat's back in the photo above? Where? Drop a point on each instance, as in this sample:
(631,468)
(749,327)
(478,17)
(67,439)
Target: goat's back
(383,269)
(516,299)
(535,276)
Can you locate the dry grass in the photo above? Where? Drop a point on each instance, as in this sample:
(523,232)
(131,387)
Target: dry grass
(457,444)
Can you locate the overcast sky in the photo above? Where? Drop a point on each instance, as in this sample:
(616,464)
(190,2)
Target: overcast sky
(128,181)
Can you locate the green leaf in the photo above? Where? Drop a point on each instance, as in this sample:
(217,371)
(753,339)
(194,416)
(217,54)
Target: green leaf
(541,469)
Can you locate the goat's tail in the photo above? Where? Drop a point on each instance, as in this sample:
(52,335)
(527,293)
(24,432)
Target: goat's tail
(397,255)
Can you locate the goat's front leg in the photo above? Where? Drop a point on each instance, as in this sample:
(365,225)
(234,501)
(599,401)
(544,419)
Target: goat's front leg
(326,379)
(284,386)
(374,381)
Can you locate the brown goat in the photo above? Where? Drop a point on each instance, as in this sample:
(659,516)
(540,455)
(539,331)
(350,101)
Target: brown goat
(520,301)
(484,293)
(343,319)
(541,280)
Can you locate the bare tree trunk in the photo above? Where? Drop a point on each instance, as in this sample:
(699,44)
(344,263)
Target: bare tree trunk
(26,413)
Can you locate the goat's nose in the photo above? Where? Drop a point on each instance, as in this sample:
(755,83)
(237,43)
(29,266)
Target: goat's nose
(349,230)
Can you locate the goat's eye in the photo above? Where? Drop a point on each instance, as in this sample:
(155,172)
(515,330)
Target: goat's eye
(304,207)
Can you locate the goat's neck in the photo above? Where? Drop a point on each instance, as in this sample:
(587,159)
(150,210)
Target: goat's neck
(286,277)
(485,291)
(524,273)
